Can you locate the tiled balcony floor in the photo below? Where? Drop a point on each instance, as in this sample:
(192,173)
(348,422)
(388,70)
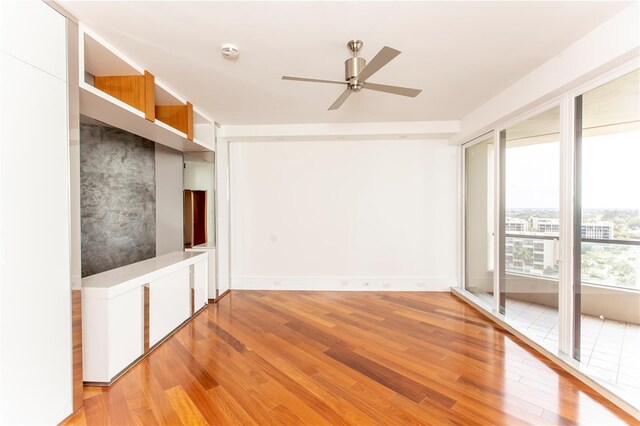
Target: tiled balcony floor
(610,350)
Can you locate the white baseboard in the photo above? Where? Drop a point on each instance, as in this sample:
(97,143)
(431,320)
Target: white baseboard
(344,283)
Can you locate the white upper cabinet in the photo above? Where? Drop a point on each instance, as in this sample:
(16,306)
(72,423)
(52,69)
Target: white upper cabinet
(34,33)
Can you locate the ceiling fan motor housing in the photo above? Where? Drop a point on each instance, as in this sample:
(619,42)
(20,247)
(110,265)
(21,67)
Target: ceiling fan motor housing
(353,67)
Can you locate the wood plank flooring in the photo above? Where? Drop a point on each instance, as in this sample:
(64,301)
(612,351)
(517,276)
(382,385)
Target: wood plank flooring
(339,358)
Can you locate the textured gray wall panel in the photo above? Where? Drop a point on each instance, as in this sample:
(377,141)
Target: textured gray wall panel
(118,198)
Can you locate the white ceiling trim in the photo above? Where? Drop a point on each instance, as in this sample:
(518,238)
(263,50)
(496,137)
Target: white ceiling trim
(336,131)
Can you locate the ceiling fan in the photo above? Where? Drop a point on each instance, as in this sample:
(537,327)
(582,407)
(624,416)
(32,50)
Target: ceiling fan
(357,72)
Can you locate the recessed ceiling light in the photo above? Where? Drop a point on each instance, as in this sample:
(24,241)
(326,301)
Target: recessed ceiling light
(230,51)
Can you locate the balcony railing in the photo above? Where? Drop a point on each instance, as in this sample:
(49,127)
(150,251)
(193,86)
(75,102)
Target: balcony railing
(615,264)
(533,236)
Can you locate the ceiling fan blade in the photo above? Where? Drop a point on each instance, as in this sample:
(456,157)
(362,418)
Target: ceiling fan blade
(384,56)
(312,80)
(396,90)
(343,97)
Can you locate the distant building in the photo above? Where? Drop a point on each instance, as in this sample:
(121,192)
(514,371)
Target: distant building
(600,230)
(515,225)
(538,257)
(539,224)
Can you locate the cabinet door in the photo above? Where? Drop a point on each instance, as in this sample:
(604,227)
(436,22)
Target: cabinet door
(126,330)
(169,304)
(200,285)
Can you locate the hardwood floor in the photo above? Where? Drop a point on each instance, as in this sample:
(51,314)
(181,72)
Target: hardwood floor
(345,358)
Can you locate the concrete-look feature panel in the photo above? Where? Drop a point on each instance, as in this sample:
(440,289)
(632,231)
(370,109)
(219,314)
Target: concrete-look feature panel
(169,230)
(118,198)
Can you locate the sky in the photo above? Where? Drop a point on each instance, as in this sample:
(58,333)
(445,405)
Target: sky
(610,179)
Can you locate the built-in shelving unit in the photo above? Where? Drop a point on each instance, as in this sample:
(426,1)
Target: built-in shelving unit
(173,111)
(120,93)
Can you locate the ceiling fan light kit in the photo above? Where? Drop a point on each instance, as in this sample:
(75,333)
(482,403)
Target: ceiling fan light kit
(357,72)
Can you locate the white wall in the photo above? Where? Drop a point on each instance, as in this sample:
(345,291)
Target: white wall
(334,215)
(222,216)
(35,281)
(200,175)
(169,218)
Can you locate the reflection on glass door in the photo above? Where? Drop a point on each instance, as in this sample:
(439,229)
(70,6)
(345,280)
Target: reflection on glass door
(479,219)
(607,234)
(530,226)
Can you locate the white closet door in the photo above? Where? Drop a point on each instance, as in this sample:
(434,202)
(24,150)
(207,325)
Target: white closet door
(35,293)
(36,34)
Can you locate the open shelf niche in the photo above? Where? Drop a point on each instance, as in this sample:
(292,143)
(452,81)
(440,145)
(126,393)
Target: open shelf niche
(173,111)
(134,90)
(118,92)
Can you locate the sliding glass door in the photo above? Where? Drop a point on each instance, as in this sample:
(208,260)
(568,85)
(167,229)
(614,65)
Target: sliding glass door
(479,218)
(607,233)
(572,290)
(530,226)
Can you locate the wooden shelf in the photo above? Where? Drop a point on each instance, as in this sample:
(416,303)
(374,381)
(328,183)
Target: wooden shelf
(180,117)
(118,92)
(134,90)
(107,109)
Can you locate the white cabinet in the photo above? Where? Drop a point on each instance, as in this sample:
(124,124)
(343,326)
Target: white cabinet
(115,315)
(120,338)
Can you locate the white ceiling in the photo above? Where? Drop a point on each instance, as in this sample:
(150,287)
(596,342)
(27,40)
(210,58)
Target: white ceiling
(460,53)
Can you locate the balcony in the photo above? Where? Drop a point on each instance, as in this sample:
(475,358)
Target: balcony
(610,303)
(610,349)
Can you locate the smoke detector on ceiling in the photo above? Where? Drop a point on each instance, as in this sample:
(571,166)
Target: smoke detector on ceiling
(230,51)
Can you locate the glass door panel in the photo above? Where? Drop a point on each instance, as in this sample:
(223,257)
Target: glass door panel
(479,219)
(530,226)
(607,235)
